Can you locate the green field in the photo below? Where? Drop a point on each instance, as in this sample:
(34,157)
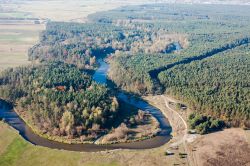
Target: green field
(16,151)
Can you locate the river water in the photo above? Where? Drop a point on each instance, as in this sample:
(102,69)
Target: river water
(100,76)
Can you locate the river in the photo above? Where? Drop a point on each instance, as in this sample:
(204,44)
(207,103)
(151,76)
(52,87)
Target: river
(100,76)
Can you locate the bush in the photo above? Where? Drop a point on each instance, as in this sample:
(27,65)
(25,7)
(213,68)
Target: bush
(203,128)
(205,124)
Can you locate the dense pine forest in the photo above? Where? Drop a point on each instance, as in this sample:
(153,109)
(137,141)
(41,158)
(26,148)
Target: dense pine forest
(59,100)
(217,86)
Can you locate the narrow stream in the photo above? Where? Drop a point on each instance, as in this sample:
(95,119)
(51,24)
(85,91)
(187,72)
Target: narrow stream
(100,76)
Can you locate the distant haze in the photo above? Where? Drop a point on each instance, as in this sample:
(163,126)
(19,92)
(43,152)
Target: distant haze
(232,2)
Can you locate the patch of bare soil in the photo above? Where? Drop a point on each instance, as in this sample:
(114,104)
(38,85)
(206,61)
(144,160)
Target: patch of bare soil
(226,148)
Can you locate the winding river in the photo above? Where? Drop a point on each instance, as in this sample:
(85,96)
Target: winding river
(100,76)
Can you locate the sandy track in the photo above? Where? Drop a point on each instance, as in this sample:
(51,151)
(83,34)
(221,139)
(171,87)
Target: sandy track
(178,124)
(177,115)
(229,147)
(184,136)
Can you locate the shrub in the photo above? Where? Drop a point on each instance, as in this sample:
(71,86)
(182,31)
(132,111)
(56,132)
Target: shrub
(205,124)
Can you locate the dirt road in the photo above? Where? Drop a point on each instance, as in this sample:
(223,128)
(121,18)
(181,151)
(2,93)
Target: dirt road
(178,123)
(229,147)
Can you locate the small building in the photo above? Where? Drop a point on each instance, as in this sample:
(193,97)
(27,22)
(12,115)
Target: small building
(169,153)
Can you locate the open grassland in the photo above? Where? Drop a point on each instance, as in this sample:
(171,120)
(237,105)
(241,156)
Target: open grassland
(61,10)
(15,40)
(6,137)
(229,147)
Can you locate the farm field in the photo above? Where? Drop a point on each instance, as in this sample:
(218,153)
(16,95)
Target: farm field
(15,40)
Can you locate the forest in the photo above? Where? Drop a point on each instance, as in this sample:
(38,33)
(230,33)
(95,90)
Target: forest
(60,100)
(217,86)
(208,72)
(201,37)
(196,53)
(82,44)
